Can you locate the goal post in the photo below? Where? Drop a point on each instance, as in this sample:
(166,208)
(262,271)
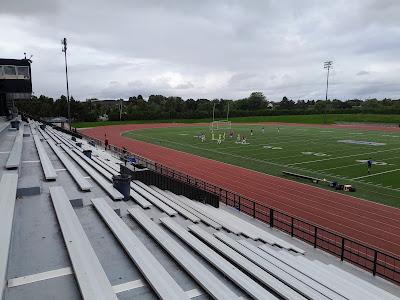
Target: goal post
(220,125)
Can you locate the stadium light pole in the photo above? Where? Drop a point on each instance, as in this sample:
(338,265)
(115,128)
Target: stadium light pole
(327,65)
(64,49)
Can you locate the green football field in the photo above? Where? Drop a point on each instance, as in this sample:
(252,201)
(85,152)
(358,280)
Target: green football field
(331,154)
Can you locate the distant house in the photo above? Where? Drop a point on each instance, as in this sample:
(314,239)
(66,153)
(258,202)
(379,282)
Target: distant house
(103,117)
(270,105)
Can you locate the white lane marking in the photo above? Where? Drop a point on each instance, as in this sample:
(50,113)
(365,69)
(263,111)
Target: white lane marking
(5,152)
(13,282)
(60,170)
(30,161)
(370,175)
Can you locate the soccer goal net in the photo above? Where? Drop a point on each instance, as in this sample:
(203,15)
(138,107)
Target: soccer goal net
(220,125)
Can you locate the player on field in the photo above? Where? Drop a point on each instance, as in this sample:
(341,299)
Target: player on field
(263,130)
(238,138)
(105,142)
(369,164)
(251,132)
(219,138)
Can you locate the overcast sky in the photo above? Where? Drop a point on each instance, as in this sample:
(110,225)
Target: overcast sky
(207,48)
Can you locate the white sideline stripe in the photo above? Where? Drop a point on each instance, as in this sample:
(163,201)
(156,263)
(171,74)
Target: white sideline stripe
(30,161)
(370,175)
(4,152)
(60,170)
(13,282)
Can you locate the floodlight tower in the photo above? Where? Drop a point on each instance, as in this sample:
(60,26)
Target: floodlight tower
(327,65)
(64,49)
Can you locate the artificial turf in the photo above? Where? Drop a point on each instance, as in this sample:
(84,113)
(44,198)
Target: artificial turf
(311,151)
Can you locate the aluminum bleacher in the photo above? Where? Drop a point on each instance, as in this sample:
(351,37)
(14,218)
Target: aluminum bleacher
(274,264)
(14,159)
(249,285)
(8,188)
(82,182)
(289,280)
(89,273)
(160,280)
(282,289)
(179,209)
(73,241)
(47,166)
(199,272)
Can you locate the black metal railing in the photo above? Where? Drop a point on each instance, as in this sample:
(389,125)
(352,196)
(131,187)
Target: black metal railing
(347,249)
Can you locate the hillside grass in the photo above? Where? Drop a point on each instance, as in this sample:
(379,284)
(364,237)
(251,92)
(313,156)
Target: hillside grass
(305,119)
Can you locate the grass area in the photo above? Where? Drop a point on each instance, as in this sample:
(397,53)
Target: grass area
(306,119)
(334,154)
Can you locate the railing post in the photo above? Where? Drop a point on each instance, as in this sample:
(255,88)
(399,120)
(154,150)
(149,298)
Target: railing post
(291,227)
(315,236)
(239,203)
(254,209)
(375,261)
(271,217)
(342,250)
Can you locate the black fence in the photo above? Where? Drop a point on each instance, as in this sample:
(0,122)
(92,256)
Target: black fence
(347,249)
(167,181)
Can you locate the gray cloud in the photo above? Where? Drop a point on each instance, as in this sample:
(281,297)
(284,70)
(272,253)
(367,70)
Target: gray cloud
(362,73)
(208,48)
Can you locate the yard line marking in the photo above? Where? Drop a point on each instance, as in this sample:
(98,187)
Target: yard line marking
(318,160)
(358,164)
(370,175)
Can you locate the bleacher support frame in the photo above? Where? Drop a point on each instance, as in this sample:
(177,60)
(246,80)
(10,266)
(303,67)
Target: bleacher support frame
(378,262)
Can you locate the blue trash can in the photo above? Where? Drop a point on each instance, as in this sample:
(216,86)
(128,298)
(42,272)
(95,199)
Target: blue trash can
(88,153)
(15,124)
(122,184)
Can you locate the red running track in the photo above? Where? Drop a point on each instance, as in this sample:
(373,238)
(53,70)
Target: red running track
(371,223)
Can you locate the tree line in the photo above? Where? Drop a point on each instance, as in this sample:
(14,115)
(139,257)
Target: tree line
(162,107)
